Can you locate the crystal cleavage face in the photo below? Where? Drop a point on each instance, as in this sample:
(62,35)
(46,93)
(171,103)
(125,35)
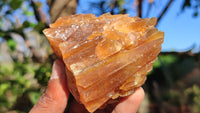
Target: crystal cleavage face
(106,57)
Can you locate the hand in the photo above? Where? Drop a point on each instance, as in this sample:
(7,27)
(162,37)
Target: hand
(55,98)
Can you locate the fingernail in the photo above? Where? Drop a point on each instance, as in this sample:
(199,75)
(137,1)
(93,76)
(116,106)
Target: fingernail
(56,70)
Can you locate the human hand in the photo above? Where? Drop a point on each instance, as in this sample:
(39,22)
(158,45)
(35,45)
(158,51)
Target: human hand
(55,98)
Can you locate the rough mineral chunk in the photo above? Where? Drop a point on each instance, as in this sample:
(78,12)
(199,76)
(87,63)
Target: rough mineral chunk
(106,57)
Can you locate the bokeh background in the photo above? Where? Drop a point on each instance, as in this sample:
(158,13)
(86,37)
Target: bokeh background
(26,57)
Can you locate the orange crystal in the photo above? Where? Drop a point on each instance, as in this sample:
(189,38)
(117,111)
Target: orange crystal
(106,57)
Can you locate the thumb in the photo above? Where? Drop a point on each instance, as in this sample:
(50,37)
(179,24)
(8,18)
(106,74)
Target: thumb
(55,98)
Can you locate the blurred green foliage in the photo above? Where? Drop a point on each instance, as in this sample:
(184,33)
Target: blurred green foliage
(18,80)
(22,79)
(192,96)
(24,73)
(172,75)
(194,4)
(11,44)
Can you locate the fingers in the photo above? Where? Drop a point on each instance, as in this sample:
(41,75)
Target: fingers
(131,103)
(54,100)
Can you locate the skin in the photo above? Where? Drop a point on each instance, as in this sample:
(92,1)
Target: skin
(54,99)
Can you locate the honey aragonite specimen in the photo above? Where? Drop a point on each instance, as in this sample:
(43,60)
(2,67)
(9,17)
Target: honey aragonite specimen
(106,57)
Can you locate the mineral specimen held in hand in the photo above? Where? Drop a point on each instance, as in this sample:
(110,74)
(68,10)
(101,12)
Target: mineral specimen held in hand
(106,57)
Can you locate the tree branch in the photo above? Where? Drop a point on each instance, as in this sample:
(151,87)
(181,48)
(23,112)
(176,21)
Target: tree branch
(37,13)
(15,30)
(66,4)
(164,11)
(51,4)
(140,8)
(187,53)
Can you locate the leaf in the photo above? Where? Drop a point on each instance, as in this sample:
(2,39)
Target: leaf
(196,89)
(168,59)
(28,13)
(34,96)
(187,3)
(4,87)
(1,5)
(6,69)
(156,64)
(195,14)
(32,25)
(43,73)
(120,2)
(2,34)
(38,4)
(15,4)
(26,24)
(8,12)
(39,27)
(11,44)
